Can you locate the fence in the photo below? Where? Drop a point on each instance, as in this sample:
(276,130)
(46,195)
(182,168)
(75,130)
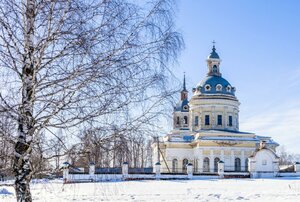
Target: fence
(140,170)
(117,170)
(125,173)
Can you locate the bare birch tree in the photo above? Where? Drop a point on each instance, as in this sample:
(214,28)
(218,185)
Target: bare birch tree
(64,62)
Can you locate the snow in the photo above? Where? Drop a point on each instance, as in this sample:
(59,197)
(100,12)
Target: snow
(276,189)
(4,191)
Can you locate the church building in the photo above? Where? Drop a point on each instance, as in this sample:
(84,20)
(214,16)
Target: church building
(206,130)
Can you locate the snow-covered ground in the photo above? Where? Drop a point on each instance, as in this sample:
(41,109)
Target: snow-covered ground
(278,189)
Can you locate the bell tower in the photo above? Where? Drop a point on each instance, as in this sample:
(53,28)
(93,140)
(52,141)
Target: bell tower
(213,63)
(181,110)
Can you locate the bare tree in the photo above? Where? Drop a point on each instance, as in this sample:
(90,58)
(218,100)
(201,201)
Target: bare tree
(65,62)
(285,157)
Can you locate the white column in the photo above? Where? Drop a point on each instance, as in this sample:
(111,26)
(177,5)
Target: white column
(157,170)
(125,170)
(66,172)
(211,161)
(200,163)
(92,171)
(243,161)
(222,155)
(221,169)
(213,121)
(200,118)
(297,167)
(225,117)
(192,120)
(232,160)
(190,170)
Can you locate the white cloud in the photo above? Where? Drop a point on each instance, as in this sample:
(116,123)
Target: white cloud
(282,123)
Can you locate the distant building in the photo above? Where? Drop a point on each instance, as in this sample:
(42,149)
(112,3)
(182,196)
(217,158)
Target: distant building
(206,130)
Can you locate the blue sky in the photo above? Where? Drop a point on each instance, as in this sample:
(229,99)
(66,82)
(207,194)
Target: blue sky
(259,44)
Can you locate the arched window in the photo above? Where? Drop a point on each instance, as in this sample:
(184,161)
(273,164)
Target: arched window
(196,120)
(219,87)
(228,88)
(206,164)
(184,164)
(174,166)
(237,164)
(215,69)
(207,87)
(229,120)
(185,119)
(216,164)
(246,164)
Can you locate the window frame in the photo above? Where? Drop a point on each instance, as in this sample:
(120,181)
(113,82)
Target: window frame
(206,120)
(196,123)
(219,121)
(230,119)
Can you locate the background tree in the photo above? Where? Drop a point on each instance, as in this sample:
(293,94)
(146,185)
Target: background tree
(64,62)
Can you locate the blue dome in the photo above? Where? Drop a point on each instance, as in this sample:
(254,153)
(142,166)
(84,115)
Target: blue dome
(213,54)
(180,106)
(215,85)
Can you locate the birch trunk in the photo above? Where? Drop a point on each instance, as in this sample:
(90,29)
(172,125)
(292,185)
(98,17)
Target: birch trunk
(22,166)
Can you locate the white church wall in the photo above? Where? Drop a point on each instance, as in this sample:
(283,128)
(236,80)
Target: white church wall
(264,161)
(264,164)
(180,154)
(225,154)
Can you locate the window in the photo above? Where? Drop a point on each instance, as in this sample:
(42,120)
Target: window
(206,120)
(230,121)
(219,87)
(177,120)
(206,164)
(219,120)
(216,164)
(185,119)
(185,107)
(174,166)
(237,164)
(228,88)
(264,162)
(196,120)
(207,87)
(184,164)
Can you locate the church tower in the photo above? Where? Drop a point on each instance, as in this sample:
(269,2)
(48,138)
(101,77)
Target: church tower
(181,110)
(214,105)
(213,63)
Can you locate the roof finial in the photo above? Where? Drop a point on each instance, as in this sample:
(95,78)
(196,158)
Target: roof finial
(184,86)
(214,48)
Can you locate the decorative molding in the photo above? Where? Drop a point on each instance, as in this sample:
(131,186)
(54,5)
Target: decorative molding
(227,143)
